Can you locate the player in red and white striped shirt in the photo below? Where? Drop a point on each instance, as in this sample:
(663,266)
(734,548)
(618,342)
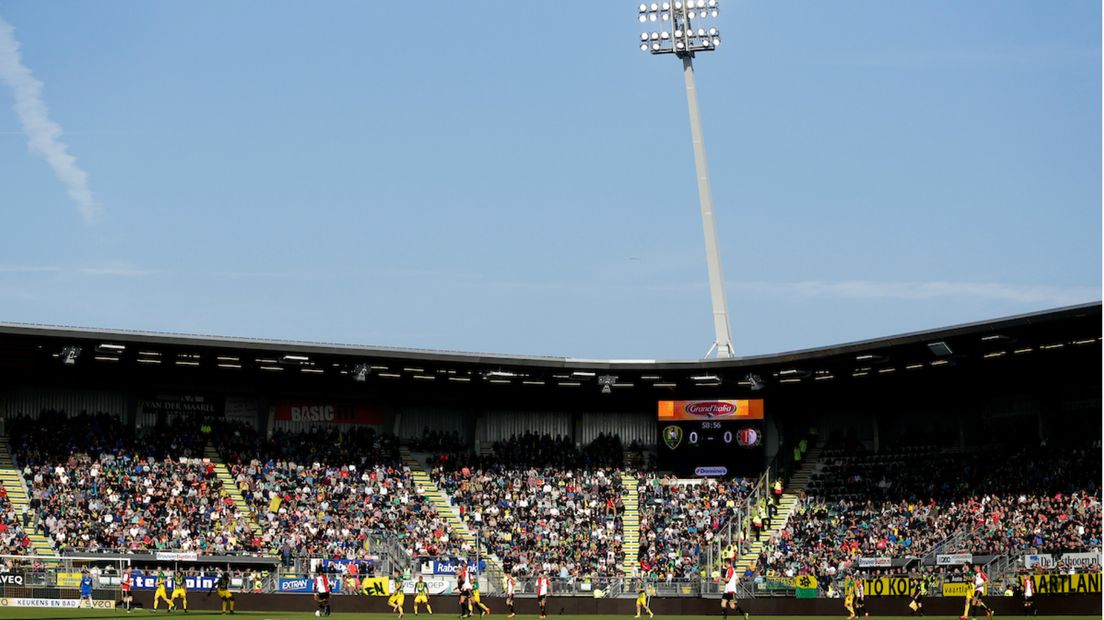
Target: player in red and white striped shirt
(511,585)
(980,581)
(1029,596)
(322,593)
(463,581)
(728,599)
(544,588)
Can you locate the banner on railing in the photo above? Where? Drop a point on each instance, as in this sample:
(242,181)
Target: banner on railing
(875,562)
(890,586)
(334,566)
(172,556)
(952,559)
(1046,560)
(304,585)
(11,579)
(801,581)
(376,586)
(449,567)
(54,603)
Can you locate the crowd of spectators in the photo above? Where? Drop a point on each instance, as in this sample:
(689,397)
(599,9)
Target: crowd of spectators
(99,485)
(679,518)
(331,492)
(542,504)
(13,538)
(906,502)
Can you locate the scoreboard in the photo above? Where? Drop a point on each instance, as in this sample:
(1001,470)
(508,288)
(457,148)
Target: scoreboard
(711,437)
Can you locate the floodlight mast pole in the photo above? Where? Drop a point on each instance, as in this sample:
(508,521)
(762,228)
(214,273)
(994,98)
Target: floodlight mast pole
(683,42)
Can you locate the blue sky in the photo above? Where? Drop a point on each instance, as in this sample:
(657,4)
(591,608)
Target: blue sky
(518,177)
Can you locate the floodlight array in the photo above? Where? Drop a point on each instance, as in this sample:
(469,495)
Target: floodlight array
(682,27)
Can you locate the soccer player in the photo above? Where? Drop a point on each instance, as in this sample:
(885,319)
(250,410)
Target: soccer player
(398,597)
(483,609)
(980,581)
(85,589)
(124,588)
(849,599)
(222,588)
(463,580)
(511,584)
(322,594)
(916,602)
(544,588)
(1029,596)
(180,590)
(642,601)
(860,598)
(160,594)
(728,599)
(421,595)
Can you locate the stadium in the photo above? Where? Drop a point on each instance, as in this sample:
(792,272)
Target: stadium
(892,462)
(357,171)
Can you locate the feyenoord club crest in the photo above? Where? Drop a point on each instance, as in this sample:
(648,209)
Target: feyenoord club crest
(672,436)
(748,437)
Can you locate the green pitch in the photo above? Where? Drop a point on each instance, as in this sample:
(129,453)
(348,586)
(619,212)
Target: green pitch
(28,613)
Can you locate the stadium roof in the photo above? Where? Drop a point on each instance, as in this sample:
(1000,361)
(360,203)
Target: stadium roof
(1074,326)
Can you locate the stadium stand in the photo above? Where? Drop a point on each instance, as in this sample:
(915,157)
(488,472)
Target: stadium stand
(679,517)
(903,502)
(327,491)
(13,540)
(542,504)
(98,485)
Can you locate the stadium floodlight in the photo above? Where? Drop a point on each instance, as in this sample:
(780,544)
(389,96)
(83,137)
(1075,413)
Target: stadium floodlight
(607,382)
(689,32)
(70,354)
(361,372)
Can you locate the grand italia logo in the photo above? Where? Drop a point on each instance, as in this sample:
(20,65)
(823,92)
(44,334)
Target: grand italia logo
(711,409)
(672,436)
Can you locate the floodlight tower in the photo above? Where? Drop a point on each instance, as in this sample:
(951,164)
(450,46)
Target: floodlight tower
(683,31)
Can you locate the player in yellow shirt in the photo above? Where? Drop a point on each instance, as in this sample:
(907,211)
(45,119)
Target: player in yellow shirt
(483,609)
(397,597)
(421,596)
(849,599)
(222,588)
(642,602)
(179,591)
(160,594)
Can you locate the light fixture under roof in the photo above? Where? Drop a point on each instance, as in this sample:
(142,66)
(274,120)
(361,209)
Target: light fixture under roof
(940,349)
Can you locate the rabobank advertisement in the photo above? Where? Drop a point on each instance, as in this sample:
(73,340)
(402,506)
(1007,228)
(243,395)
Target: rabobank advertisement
(449,567)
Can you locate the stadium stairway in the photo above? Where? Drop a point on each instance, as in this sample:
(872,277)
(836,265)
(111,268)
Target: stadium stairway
(17,493)
(440,500)
(231,489)
(630,524)
(798,482)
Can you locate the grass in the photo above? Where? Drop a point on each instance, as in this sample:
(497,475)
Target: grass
(86,614)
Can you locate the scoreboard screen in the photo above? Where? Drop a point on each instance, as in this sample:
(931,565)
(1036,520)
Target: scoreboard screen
(711,437)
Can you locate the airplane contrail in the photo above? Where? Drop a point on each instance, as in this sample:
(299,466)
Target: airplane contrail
(43,134)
